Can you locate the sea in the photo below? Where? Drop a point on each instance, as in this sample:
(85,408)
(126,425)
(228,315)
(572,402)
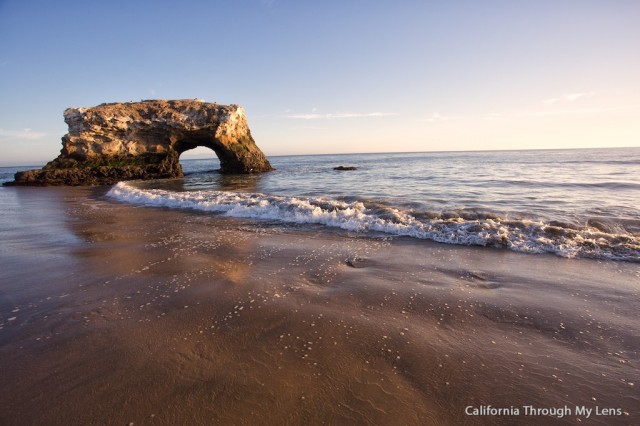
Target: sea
(582,203)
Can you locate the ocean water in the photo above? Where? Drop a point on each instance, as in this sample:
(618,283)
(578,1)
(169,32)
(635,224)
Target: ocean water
(572,203)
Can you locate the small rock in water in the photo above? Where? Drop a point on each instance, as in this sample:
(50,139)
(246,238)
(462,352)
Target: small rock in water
(345,168)
(356,262)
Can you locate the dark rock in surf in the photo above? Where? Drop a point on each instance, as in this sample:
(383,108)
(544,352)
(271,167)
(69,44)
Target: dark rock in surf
(345,168)
(357,262)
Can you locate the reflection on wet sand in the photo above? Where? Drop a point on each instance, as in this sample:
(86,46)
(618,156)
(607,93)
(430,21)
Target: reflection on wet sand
(179,317)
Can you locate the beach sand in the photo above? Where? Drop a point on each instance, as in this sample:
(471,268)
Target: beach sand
(113,314)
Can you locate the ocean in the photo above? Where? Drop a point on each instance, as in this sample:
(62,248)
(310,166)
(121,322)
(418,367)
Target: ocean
(572,203)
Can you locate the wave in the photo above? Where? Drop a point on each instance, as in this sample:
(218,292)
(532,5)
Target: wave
(523,235)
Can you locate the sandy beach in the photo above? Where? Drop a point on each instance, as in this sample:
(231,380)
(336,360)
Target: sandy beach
(115,314)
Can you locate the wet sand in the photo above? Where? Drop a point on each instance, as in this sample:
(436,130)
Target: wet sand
(112,314)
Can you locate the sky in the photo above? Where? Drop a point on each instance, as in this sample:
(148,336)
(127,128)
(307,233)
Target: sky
(332,76)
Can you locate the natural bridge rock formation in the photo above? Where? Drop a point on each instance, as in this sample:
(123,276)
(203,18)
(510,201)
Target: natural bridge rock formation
(144,140)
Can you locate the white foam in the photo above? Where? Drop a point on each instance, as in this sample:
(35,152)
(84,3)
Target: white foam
(517,234)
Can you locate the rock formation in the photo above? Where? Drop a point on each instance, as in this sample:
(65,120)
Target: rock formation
(144,140)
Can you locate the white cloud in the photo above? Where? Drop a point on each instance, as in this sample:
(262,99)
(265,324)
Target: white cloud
(568,97)
(573,110)
(26,134)
(575,96)
(316,116)
(581,111)
(436,117)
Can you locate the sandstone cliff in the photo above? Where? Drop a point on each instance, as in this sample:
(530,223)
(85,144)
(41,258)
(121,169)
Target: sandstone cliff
(144,140)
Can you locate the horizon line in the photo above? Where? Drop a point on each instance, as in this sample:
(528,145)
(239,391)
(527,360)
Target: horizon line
(38,165)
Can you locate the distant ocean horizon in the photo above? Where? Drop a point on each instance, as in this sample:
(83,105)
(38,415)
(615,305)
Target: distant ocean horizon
(572,203)
(27,165)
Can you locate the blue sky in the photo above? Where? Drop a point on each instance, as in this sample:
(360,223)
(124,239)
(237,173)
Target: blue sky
(333,76)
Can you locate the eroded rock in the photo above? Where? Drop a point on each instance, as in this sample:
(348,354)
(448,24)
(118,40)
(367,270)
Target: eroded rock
(144,140)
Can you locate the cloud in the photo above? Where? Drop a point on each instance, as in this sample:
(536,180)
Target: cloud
(436,117)
(582,111)
(576,111)
(575,96)
(316,116)
(568,97)
(25,134)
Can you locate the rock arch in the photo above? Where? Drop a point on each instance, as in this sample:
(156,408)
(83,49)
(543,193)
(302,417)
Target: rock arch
(144,140)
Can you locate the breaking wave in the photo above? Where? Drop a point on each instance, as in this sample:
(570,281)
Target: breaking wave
(522,235)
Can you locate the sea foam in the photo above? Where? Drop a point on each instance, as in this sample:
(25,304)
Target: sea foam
(523,235)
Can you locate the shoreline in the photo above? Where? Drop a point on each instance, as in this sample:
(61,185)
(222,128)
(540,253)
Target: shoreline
(153,316)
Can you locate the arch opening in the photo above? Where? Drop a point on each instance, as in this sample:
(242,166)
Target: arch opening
(197,153)
(200,160)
